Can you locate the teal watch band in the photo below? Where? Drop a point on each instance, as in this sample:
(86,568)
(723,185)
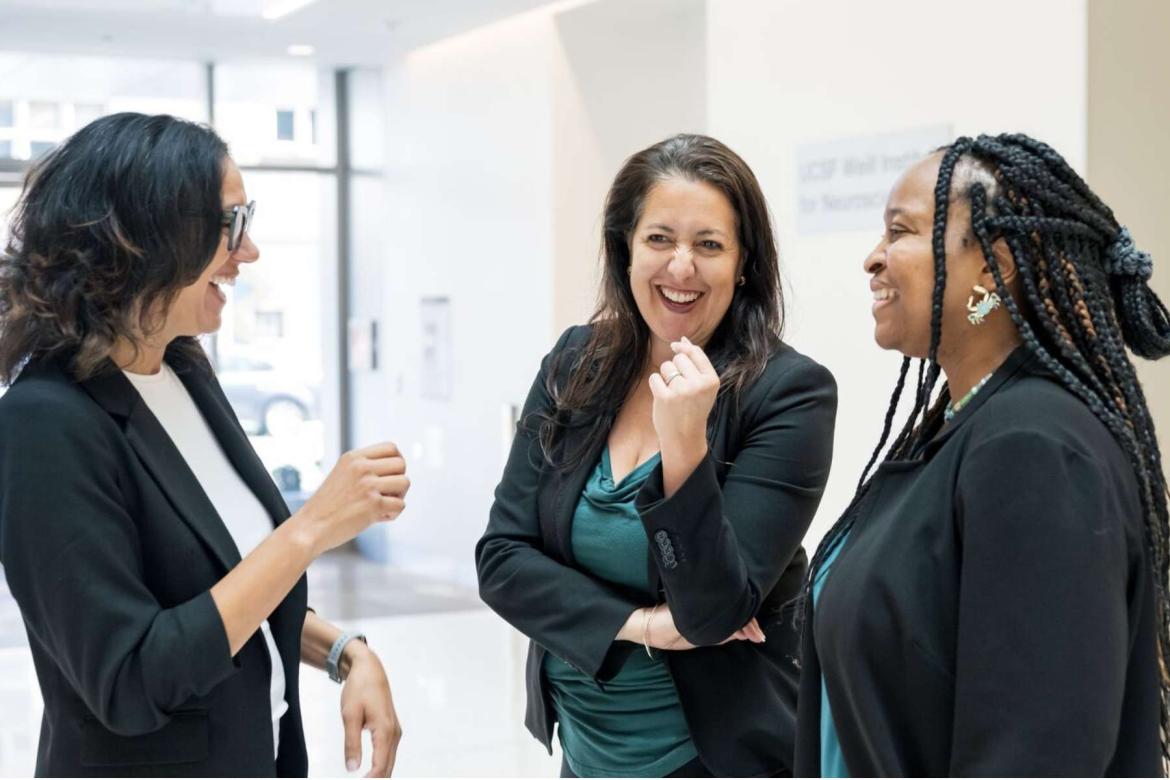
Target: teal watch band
(333,660)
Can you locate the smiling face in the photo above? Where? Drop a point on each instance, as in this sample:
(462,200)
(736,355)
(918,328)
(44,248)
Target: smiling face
(901,266)
(684,260)
(198,308)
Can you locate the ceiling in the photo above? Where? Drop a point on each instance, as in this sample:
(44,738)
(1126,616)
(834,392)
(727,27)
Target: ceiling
(343,32)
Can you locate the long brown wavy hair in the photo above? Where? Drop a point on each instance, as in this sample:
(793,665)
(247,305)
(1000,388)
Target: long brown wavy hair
(603,373)
(109,228)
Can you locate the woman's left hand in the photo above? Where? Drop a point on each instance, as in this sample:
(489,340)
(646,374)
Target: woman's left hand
(684,389)
(366,704)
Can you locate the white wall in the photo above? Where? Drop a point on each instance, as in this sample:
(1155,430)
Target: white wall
(502,144)
(782,73)
(1128,158)
(503,141)
(628,74)
(469,216)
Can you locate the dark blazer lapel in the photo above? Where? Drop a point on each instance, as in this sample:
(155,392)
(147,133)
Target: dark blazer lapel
(221,419)
(114,393)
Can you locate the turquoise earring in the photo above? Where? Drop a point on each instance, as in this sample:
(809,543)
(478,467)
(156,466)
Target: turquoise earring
(980,309)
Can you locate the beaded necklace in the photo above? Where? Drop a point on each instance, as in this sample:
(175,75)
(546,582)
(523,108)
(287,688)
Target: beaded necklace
(957,406)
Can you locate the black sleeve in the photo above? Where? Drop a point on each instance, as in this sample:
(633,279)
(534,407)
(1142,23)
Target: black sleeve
(571,614)
(71,554)
(721,551)
(1042,642)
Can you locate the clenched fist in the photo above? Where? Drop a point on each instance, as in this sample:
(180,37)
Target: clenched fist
(366,486)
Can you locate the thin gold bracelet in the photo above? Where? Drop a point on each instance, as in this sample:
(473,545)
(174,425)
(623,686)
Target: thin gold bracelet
(648,615)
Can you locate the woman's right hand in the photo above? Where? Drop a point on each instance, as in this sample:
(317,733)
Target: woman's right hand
(366,486)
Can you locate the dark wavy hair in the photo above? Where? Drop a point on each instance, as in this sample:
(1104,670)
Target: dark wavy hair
(1085,298)
(110,226)
(605,370)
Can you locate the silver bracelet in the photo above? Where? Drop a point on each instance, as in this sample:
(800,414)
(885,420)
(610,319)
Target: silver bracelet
(334,658)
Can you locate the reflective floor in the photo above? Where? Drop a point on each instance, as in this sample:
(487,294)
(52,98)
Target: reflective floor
(456,671)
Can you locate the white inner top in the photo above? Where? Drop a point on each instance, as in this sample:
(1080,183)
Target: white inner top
(245,517)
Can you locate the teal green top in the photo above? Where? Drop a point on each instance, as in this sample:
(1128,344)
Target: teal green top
(832,760)
(634,726)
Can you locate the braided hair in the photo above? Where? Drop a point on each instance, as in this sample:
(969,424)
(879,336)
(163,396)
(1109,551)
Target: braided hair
(1085,298)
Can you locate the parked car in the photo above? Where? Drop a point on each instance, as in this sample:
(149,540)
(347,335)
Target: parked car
(267,401)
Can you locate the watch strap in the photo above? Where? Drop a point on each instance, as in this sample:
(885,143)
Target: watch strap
(333,660)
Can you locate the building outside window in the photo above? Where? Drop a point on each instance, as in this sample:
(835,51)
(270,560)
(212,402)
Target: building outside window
(45,98)
(84,113)
(43,115)
(258,106)
(270,350)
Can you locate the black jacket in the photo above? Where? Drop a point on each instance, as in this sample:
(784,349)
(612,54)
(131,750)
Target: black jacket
(110,547)
(724,548)
(992,610)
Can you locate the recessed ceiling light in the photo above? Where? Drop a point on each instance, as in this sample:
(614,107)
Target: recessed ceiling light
(276,9)
(301,50)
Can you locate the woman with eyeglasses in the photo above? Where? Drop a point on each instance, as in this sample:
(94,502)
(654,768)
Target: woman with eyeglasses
(158,572)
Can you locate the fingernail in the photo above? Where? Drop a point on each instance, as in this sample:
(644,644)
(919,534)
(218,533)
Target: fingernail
(351,765)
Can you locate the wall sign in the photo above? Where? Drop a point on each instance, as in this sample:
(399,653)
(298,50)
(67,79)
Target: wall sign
(438,366)
(843,184)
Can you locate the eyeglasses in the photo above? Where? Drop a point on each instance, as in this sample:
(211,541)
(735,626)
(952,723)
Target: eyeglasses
(238,221)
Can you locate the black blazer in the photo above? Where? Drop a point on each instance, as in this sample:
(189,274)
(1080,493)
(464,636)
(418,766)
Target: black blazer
(992,611)
(724,548)
(110,547)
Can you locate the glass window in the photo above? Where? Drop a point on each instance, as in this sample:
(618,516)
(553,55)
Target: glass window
(43,115)
(6,113)
(5,150)
(284,125)
(8,197)
(84,113)
(37,148)
(250,95)
(270,324)
(367,141)
(49,96)
(270,349)
(117,84)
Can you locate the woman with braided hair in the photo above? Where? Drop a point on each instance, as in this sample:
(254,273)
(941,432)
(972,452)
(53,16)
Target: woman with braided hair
(994,599)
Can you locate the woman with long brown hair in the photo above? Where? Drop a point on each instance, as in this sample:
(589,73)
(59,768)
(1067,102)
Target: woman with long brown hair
(647,529)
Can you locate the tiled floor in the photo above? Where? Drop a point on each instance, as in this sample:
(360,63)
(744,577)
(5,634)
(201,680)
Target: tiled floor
(456,671)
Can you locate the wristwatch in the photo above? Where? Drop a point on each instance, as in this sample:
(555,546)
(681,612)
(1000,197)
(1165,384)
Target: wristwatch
(333,660)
